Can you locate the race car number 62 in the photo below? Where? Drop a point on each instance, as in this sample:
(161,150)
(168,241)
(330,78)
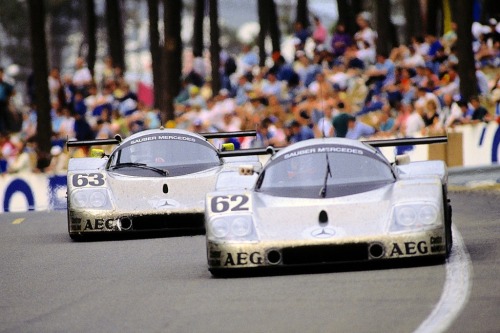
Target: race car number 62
(223,203)
(92,179)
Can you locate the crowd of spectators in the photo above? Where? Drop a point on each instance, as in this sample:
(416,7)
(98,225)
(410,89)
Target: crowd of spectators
(336,85)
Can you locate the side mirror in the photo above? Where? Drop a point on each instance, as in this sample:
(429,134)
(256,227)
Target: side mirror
(227,146)
(97,153)
(246,170)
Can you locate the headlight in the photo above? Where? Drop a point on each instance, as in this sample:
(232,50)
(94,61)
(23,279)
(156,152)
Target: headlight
(414,215)
(428,214)
(238,227)
(241,226)
(90,198)
(406,215)
(219,228)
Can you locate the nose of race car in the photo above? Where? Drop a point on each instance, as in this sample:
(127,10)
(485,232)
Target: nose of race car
(171,194)
(290,222)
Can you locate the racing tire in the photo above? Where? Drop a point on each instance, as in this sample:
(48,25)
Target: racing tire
(448,232)
(77,237)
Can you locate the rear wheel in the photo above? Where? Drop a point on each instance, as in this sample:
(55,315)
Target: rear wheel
(448,233)
(447,221)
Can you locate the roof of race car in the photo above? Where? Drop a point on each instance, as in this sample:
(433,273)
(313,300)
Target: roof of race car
(165,134)
(333,142)
(163,131)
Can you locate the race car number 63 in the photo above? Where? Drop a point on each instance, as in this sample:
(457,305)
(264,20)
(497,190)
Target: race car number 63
(223,203)
(92,179)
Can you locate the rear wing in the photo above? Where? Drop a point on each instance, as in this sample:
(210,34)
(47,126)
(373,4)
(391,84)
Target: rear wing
(374,143)
(407,141)
(117,139)
(222,135)
(96,142)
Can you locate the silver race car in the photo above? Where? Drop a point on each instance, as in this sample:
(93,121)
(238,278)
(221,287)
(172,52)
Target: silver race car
(153,180)
(329,201)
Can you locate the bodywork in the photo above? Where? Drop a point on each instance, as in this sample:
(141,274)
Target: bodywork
(153,180)
(361,208)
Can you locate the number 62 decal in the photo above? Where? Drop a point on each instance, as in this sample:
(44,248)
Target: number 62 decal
(233,203)
(91,179)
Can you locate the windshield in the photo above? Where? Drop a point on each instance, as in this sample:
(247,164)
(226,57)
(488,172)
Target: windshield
(315,173)
(175,154)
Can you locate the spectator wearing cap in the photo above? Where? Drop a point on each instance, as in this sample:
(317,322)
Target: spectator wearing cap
(195,97)
(59,161)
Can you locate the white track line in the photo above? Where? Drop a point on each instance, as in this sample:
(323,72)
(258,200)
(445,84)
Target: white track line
(456,289)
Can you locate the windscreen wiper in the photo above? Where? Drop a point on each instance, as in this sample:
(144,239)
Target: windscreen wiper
(322,192)
(141,166)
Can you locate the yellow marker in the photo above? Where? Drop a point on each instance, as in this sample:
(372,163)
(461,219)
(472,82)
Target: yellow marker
(18,221)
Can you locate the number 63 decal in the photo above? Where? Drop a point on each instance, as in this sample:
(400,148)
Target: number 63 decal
(234,203)
(91,179)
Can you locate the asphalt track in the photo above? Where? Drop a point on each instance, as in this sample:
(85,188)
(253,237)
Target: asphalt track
(49,283)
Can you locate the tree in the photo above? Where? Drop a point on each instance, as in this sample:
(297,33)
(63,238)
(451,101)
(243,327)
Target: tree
(346,16)
(466,64)
(172,49)
(302,13)
(413,19)
(383,14)
(90,33)
(40,73)
(434,18)
(14,21)
(60,16)
(274,30)
(264,27)
(115,32)
(214,45)
(199,15)
(156,54)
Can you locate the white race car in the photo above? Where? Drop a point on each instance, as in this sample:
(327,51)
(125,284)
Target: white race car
(153,180)
(329,201)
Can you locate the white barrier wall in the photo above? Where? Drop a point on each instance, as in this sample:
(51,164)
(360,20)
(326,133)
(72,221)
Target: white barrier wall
(29,191)
(470,145)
